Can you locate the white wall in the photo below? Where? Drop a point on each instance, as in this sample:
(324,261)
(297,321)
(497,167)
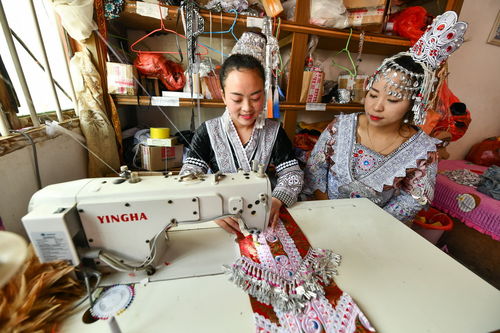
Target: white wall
(475,75)
(60,159)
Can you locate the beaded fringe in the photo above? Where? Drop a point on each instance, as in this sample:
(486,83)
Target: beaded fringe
(288,295)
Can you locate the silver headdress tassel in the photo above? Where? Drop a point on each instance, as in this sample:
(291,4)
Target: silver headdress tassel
(286,294)
(441,39)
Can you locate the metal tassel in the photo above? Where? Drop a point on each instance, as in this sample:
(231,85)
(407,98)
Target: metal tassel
(289,295)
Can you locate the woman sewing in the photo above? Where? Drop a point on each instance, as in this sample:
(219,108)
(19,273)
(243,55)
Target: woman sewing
(380,154)
(242,135)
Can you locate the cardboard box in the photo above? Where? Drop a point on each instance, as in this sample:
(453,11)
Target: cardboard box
(367,17)
(312,86)
(168,142)
(121,79)
(352,4)
(355,85)
(161,158)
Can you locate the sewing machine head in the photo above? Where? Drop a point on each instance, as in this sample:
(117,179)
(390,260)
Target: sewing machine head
(129,218)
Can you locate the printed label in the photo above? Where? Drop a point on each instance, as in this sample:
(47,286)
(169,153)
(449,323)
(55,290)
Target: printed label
(164,101)
(51,246)
(315,106)
(254,22)
(150,10)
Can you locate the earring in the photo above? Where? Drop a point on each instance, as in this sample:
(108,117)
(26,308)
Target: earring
(406,121)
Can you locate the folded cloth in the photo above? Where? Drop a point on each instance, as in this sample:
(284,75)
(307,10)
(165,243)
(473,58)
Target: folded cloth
(463,177)
(489,182)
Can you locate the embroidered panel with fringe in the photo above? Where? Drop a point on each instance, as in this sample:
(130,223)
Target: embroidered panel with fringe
(291,285)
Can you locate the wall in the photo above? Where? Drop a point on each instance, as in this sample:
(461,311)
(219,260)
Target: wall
(60,159)
(475,75)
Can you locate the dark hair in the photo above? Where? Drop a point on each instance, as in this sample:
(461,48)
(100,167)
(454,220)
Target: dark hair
(408,63)
(240,61)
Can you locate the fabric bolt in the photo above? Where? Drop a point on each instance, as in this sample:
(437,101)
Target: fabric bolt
(485,218)
(282,252)
(216,146)
(402,183)
(94,122)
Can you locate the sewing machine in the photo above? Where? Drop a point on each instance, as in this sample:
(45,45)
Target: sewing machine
(122,223)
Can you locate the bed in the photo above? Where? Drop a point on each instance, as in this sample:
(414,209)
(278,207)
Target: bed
(485,217)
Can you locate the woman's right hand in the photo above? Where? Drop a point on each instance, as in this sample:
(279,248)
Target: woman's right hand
(229,224)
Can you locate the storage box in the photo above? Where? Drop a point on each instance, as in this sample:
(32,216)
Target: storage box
(371,18)
(312,86)
(161,158)
(212,82)
(168,142)
(121,79)
(351,4)
(355,85)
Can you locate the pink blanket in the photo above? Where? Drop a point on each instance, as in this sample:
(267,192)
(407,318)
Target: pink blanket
(485,218)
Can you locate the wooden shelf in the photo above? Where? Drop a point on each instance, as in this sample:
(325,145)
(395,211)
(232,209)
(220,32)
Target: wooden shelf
(183,102)
(130,19)
(214,103)
(333,39)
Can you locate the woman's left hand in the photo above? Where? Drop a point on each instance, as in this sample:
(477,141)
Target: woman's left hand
(275,212)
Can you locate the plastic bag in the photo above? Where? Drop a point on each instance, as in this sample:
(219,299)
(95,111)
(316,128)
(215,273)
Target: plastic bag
(486,153)
(450,115)
(328,13)
(410,23)
(156,65)
(76,17)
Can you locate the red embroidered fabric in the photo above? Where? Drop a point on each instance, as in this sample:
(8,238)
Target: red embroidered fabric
(281,251)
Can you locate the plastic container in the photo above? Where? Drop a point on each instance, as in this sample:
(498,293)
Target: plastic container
(431,224)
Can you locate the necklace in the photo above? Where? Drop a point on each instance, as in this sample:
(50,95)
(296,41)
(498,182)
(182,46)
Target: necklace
(371,142)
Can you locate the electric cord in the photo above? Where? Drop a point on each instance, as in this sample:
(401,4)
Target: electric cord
(118,263)
(35,156)
(90,290)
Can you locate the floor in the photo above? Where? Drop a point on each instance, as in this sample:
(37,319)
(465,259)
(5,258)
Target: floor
(478,252)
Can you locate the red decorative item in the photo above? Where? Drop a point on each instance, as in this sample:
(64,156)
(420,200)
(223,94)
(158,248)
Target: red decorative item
(450,116)
(410,23)
(170,73)
(305,141)
(485,153)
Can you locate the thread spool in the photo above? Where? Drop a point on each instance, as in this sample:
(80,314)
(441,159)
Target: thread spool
(159,132)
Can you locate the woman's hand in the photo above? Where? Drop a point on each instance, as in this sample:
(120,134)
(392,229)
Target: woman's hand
(229,224)
(275,212)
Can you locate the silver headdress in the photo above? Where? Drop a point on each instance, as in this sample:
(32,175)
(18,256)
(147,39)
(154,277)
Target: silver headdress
(264,48)
(441,39)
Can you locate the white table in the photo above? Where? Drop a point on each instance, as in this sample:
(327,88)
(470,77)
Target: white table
(400,281)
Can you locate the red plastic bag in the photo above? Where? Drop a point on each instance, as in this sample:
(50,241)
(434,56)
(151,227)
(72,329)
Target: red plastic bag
(410,23)
(486,152)
(450,115)
(170,73)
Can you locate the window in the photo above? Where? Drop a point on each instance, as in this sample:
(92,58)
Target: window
(36,78)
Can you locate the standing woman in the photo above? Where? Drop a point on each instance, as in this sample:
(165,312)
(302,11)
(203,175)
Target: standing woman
(380,154)
(241,135)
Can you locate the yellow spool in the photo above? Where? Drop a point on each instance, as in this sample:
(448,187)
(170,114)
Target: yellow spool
(159,132)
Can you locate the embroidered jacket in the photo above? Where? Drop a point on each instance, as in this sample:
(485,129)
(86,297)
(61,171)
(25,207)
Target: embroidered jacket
(217,146)
(402,183)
